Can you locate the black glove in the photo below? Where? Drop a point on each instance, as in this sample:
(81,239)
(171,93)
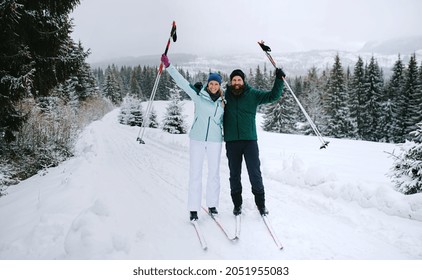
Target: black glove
(279,73)
(198,86)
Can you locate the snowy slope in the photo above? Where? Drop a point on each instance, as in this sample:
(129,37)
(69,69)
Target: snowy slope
(117,199)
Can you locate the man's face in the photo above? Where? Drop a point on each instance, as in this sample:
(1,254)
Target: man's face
(237,82)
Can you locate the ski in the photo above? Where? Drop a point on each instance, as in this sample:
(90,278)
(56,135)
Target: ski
(199,234)
(272,233)
(237,228)
(219,224)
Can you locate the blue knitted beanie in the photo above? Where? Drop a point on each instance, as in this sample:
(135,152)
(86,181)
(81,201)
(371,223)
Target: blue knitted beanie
(214,77)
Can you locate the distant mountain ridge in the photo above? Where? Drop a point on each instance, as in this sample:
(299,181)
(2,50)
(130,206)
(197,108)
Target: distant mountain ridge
(406,45)
(294,63)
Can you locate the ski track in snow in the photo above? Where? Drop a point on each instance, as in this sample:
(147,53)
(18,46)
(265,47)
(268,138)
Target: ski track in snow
(118,199)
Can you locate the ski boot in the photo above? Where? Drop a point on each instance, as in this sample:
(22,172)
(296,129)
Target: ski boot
(263,211)
(193,215)
(237,210)
(212,211)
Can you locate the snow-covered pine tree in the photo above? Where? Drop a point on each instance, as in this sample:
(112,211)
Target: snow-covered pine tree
(357,96)
(111,87)
(42,71)
(34,54)
(174,122)
(414,95)
(134,87)
(336,106)
(406,172)
(312,101)
(420,78)
(166,83)
(153,122)
(124,112)
(386,120)
(353,122)
(281,116)
(395,103)
(81,86)
(371,110)
(131,111)
(146,81)
(251,78)
(87,86)
(99,77)
(419,88)
(260,80)
(135,114)
(125,74)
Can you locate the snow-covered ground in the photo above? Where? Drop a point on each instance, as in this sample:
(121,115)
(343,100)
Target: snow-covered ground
(117,199)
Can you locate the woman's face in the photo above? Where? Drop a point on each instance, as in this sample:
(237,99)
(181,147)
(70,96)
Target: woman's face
(213,87)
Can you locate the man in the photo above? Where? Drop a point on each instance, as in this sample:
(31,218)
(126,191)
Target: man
(241,137)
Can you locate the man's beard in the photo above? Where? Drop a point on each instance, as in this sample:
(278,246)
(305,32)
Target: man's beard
(237,91)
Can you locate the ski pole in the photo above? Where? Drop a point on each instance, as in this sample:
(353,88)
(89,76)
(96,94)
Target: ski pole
(173,36)
(324,143)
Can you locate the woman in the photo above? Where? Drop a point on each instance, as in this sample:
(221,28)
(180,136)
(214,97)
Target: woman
(206,138)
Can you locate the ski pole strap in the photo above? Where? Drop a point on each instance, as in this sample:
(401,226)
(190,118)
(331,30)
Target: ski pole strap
(173,32)
(264,47)
(267,51)
(173,36)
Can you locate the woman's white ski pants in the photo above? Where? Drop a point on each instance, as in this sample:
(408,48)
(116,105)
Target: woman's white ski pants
(198,150)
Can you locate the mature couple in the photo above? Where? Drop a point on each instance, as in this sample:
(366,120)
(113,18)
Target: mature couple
(234,113)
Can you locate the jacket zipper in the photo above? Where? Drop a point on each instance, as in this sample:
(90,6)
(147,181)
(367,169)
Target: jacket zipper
(237,119)
(208,128)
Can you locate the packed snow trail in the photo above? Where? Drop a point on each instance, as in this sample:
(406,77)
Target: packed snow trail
(118,199)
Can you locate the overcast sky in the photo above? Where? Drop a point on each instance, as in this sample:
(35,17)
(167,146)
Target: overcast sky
(119,28)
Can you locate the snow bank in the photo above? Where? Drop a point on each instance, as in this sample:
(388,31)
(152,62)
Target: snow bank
(295,171)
